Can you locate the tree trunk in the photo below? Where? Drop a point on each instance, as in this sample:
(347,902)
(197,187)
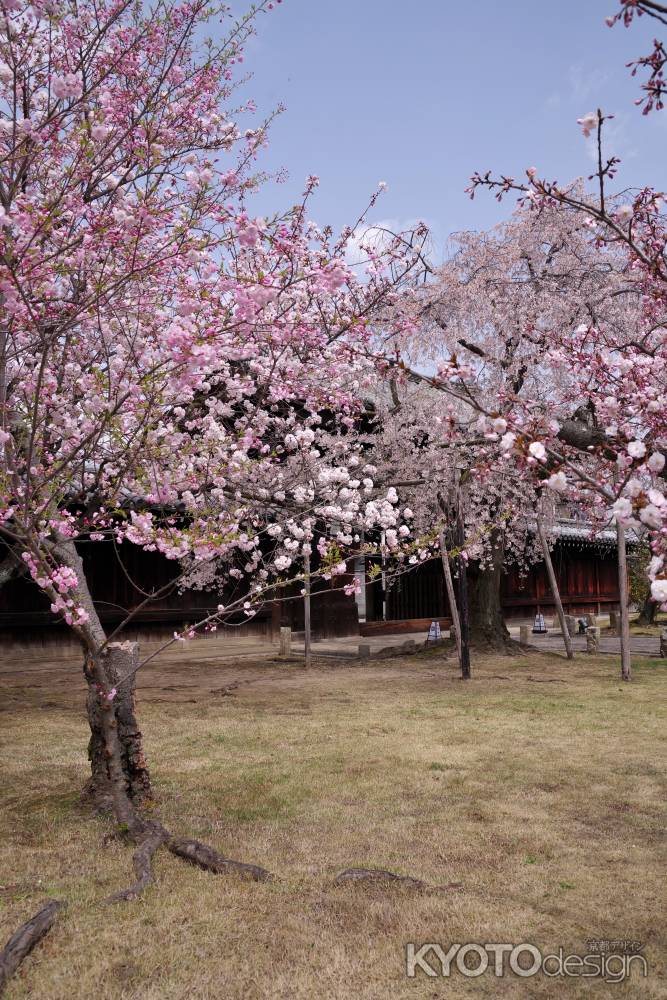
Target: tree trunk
(120,659)
(116,783)
(648,612)
(487,624)
(108,668)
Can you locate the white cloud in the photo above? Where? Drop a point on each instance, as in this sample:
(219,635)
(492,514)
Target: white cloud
(375,236)
(587,84)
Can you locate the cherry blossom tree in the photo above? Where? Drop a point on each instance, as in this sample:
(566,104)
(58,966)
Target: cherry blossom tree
(485,332)
(175,373)
(433,461)
(620,429)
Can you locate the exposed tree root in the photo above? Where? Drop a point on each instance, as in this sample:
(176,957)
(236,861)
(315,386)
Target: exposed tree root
(25,938)
(377,876)
(150,835)
(142,863)
(207,858)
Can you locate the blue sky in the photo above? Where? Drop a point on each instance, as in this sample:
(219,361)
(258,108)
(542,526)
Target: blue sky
(421,94)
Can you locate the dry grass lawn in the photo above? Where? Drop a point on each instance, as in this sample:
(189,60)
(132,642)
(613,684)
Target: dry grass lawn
(539,786)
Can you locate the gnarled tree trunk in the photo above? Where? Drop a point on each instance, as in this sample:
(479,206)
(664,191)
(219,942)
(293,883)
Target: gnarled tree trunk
(119,780)
(487,623)
(120,660)
(112,663)
(648,612)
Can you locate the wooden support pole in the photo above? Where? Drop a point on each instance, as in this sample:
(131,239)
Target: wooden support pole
(463,587)
(626,660)
(451,597)
(383,577)
(546,555)
(306,609)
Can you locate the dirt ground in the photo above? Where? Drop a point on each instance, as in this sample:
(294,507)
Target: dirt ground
(538,789)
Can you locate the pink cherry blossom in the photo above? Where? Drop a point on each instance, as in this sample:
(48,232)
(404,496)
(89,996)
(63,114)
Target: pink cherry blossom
(588,122)
(174,353)
(636,449)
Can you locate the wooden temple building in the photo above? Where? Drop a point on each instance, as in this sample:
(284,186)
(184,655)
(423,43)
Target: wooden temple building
(586,570)
(585,566)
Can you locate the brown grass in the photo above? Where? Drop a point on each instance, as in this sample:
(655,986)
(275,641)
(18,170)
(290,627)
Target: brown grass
(539,786)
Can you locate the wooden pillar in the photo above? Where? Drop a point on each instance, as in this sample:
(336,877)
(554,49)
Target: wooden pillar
(597,583)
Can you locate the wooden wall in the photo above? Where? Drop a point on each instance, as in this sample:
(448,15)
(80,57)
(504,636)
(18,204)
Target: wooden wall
(587,578)
(117,589)
(422,591)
